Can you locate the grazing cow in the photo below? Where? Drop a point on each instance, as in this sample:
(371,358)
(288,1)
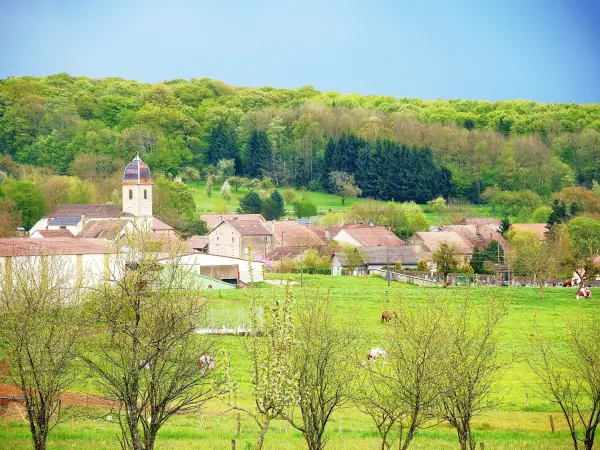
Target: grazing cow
(448,283)
(386,316)
(376,353)
(206,363)
(568,283)
(584,292)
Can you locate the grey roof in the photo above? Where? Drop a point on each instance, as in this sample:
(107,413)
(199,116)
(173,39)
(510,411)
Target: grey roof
(93,211)
(65,220)
(408,255)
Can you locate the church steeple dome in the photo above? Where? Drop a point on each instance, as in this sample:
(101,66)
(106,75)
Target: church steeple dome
(137,172)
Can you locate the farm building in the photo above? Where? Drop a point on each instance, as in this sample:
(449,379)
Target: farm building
(371,258)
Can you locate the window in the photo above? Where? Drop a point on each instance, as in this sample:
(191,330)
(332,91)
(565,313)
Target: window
(232,240)
(62,227)
(130,194)
(232,252)
(145,195)
(217,238)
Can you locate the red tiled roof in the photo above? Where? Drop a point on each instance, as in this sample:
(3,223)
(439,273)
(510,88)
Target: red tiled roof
(196,242)
(372,236)
(250,227)
(105,228)
(291,233)
(479,235)
(284,252)
(52,246)
(159,225)
(212,220)
(55,233)
(432,240)
(486,221)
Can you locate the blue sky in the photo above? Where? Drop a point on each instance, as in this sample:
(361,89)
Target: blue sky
(542,50)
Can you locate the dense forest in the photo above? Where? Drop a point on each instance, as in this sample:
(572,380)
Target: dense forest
(394,147)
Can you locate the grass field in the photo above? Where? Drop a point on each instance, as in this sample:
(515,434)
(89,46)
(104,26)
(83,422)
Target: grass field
(511,425)
(323,201)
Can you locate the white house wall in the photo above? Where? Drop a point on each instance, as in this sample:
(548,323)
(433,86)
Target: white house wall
(345,238)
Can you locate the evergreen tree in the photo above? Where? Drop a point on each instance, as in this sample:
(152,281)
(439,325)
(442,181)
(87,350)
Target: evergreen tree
(504,226)
(258,154)
(559,213)
(251,203)
(221,144)
(478,261)
(278,199)
(270,209)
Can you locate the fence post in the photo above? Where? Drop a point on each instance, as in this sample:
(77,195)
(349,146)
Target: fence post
(552,423)
(482,446)
(239,424)
(233,444)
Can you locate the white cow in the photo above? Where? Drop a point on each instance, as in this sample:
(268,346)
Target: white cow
(205,363)
(377,353)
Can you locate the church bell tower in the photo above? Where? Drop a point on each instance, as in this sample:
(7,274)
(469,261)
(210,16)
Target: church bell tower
(137,189)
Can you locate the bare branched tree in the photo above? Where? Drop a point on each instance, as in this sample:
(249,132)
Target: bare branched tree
(571,379)
(401,393)
(322,367)
(40,330)
(148,358)
(471,364)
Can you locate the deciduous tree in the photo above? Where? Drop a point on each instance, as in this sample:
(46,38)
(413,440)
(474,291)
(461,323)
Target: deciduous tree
(41,330)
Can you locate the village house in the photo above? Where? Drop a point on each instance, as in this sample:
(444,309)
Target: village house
(290,233)
(478,235)
(235,237)
(365,235)
(429,242)
(212,220)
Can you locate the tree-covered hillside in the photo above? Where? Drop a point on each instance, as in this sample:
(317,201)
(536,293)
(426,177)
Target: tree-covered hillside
(392,146)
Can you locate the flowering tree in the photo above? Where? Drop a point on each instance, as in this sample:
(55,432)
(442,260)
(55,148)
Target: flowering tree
(269,350)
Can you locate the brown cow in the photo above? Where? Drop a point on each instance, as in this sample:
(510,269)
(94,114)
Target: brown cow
(386,316)
(568,283)
(584,292)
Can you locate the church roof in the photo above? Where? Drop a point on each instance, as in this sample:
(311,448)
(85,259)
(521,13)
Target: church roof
(90,211)
(137,172)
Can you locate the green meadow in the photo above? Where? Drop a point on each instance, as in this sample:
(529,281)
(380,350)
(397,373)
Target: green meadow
(323,201)
(520,420)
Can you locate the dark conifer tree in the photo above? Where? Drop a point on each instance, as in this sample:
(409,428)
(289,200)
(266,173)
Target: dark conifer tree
(251,203)
(258,154)
(221,144)
(278,200)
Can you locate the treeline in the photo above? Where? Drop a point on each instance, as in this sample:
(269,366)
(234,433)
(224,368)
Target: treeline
(284,133)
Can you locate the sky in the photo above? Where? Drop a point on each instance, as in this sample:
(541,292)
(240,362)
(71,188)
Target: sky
(543,50)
